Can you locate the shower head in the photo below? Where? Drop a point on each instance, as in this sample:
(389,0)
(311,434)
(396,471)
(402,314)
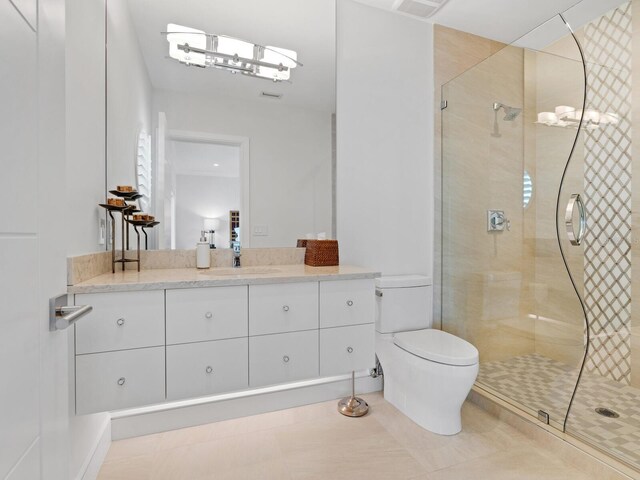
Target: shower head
(510,113)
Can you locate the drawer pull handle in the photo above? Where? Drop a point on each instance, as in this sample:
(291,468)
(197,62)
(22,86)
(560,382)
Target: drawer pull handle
(350,349)
(121,381)
(285,308)
(209,369)
(285,359)
(350,303)
(120,322)
(208,315)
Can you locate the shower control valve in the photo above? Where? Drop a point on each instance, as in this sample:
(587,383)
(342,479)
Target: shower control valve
(497,221)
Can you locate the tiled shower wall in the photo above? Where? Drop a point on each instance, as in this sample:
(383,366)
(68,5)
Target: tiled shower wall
(607,46)
(485,291)
(454,53)
(496,283)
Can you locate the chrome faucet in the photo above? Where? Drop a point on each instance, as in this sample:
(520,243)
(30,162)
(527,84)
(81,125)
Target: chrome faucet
(235,246)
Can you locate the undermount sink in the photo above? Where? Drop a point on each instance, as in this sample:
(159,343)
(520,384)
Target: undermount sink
(214,272)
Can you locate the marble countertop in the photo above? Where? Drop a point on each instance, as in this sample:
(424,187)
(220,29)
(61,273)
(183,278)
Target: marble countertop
(161,279)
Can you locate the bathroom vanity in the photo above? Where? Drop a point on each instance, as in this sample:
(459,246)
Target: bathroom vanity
(163,335)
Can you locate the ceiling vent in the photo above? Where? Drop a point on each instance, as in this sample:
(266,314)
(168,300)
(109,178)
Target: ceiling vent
(271,95)
(418,8)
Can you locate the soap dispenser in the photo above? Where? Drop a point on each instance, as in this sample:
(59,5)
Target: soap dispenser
(203,257)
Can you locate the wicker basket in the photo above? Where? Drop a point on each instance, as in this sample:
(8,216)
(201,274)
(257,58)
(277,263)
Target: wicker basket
(320,253)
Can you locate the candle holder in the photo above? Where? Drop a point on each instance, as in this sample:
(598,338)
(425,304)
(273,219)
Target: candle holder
(125,212)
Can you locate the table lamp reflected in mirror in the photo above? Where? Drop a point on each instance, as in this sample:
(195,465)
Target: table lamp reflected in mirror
(210,225)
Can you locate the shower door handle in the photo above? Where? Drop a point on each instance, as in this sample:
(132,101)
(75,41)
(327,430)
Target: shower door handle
(575,238)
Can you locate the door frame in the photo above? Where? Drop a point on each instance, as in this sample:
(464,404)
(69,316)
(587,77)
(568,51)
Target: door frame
(245,169)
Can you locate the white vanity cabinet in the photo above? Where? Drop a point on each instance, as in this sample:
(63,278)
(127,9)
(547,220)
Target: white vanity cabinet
(205,368)
(283,357)
(210,313)
(207,341)
(343,349)
(347,329)
(218,339)
(346,302)
(123,379)
(283,307)
(120,351)
(120,321)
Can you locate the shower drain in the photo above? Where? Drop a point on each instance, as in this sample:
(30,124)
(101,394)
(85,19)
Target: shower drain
(606,412)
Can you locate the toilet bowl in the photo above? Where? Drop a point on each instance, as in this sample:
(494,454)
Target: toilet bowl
(428,373)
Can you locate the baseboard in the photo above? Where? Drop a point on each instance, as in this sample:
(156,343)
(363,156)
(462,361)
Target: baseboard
(199,411)
(92,464)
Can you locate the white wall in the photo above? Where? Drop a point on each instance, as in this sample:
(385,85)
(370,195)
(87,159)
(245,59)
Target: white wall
(85,180)
(129,92)
(384,140)
(85,124)
(204,196)
(129,98)
(129,110)
(290,158)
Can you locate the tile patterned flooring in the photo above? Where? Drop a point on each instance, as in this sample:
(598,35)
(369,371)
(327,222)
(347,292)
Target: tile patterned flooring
(539,382)
(315,442)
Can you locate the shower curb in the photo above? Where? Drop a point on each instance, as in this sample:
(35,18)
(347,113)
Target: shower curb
(575,452)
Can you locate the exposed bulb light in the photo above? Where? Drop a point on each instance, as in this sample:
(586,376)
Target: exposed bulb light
(216,164)
(195,47)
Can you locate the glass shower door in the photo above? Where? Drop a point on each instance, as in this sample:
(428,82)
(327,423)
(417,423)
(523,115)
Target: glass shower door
(510,168)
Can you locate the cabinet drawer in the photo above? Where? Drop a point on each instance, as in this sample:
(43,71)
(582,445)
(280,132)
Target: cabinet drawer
(283,357)
(343,349)
(120,321)
(115,380)
(204,368)
(285,307)
(347,302)
(198,314)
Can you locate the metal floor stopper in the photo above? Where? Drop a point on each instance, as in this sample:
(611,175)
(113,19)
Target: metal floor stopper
(353,406)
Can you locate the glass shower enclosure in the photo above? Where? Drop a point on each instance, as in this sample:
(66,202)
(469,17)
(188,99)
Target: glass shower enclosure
(537,227)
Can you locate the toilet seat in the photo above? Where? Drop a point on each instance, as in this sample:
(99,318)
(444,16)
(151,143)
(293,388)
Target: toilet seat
(437,346)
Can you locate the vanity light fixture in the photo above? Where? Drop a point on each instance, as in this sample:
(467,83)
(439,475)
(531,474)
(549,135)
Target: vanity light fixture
(197,48)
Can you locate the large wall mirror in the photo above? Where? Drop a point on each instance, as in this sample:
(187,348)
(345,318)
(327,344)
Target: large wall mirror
(212,141)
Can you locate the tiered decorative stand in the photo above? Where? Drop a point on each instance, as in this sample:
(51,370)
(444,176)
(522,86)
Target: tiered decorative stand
(142,224)
(125,220)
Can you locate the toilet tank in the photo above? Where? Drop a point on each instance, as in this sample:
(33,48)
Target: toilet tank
(403,303)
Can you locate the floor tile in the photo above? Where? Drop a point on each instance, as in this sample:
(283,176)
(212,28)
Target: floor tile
(515,463)
(315,442)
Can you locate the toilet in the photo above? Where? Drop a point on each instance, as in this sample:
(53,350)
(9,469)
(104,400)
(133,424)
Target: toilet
(427,372)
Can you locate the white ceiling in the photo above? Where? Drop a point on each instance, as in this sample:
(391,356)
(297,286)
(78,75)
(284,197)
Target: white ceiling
(306,26)
(194,158)
(508,20)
